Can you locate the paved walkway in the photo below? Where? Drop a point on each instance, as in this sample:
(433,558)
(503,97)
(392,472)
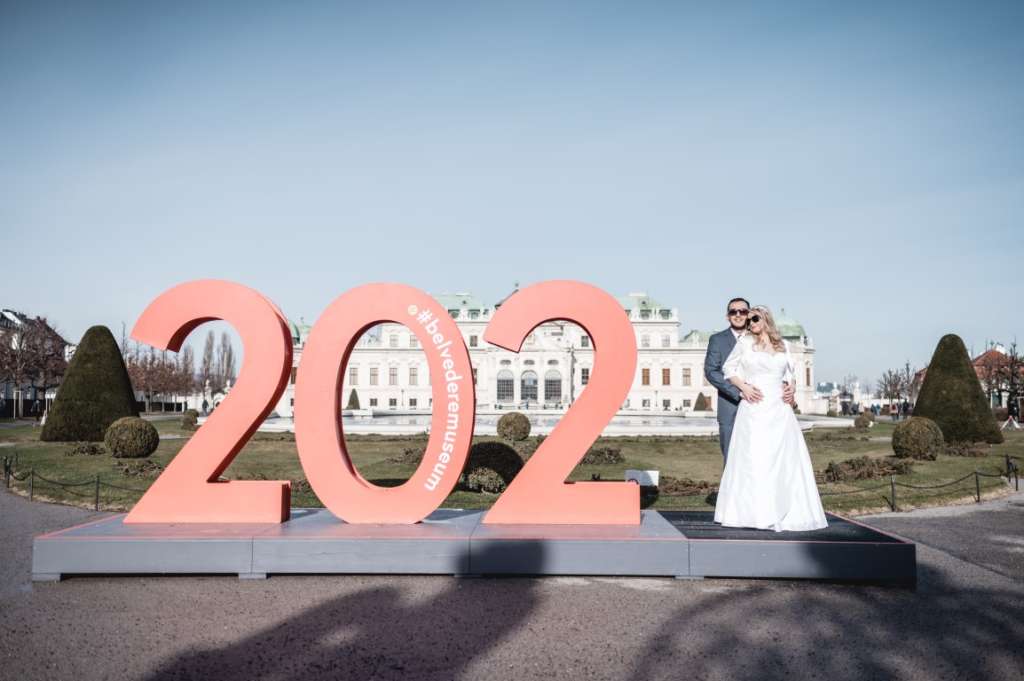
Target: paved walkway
(965,620)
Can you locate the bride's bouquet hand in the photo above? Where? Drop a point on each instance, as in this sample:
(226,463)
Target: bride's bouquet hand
(751,394)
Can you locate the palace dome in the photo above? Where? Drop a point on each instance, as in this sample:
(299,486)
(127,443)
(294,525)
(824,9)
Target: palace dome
(787,326)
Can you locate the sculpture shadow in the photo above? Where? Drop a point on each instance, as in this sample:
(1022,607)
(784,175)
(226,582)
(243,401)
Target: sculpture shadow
(943,629)
(375,633)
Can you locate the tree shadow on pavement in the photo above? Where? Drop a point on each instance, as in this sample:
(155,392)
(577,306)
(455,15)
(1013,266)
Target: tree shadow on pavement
(943,629)
(373,634)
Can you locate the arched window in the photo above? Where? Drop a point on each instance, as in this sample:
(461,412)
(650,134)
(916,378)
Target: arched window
(506,386)
(553,386)
(528,386)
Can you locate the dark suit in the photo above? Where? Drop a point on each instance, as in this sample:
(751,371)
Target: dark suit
(729,396)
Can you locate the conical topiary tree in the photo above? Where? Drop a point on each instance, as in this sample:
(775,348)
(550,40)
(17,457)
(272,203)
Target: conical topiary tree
(701,404)
(353,400)
(96,391)
(952,396)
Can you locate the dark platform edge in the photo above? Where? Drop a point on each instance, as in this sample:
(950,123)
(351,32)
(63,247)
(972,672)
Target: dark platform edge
(456,543)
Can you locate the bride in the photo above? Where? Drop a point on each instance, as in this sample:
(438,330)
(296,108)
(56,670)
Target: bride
(768,481)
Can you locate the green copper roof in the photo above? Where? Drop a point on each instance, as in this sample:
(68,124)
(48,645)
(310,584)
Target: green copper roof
(701,337)
(457,301)
(787,326)
(640,301)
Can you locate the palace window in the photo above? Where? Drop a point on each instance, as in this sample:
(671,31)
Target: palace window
(553,386)
(645,377)
(807,374)
(687,378)
(585,342)
(585,375)
(474,375)
(666,341)
(506,386)
(687,403)
(645,314)
(392,402)
(454,314)
(474,314)
(373,401)
(412,402)
(392,375)
(393,341)
(414,376)
(472,341)
(353,375)
(414,342)
(666,405)
(645,404)
(645,341)
(528,386)
(665,314)
(295,371)
(666,376)
(373,375)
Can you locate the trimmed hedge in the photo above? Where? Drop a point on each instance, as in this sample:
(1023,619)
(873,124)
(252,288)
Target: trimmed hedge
(96,391)
(131,438)
(917,438)
(702,403)
(862,422)
(190,419)
(952,396)
(514,426)
(496,456)
(485,480)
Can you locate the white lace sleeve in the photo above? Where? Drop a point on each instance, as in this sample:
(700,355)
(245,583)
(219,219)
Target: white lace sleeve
(790,374)
(733,362)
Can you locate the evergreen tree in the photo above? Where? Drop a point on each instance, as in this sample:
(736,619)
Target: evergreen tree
(701,404)
(353,400)
(952,396)
(96,391)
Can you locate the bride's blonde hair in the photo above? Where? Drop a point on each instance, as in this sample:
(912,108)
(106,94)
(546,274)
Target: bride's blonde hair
(770,330)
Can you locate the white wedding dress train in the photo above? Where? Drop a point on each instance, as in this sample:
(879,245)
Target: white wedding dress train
(768,481)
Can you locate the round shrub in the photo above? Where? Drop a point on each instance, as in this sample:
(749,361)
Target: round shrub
(496,456)
(190,419)
(862,422)
(131,438)
(603,455)
(917,438)
(831,413)
(485,480)
(514,426)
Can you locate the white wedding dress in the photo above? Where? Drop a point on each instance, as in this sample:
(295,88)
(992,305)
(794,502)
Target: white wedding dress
(768,481)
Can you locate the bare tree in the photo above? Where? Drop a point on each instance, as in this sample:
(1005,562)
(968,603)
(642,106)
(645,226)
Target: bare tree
(1011,374)
(31,354)
(225,364)
(206,369)
(909,385)
(890,385)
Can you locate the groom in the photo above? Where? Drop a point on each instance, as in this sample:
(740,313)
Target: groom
(729,396)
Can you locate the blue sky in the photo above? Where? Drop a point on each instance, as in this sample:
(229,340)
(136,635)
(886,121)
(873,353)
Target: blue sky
(860,164)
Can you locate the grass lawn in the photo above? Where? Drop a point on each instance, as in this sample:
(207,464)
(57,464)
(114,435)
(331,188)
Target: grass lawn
(274,457)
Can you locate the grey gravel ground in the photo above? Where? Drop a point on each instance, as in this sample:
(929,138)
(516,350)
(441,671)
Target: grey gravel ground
(965,620)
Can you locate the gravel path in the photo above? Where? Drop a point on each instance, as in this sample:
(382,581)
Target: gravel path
(964,621)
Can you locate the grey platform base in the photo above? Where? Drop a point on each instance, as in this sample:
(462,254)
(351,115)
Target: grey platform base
(455,542)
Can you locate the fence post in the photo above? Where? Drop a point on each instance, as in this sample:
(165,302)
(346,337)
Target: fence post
(977,486)
(96,496)
(31,482)
(1008,467)
(7,472)
(892,487)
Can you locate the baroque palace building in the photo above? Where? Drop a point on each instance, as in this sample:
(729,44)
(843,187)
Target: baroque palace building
(388,369)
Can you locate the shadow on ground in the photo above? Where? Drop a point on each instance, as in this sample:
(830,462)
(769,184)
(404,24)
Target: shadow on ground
(373,634)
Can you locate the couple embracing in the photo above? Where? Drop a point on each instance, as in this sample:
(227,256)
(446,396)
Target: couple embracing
(768,482)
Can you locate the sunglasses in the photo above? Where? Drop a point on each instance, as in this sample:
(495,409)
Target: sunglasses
(755,318)
(742,313)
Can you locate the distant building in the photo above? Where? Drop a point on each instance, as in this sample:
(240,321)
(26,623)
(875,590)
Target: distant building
(388,369)
(27,398)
